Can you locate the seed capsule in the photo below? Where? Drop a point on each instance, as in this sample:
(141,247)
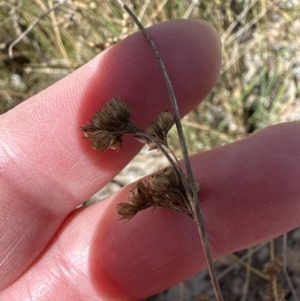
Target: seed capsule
(160,183)
(126,211)
(165,121)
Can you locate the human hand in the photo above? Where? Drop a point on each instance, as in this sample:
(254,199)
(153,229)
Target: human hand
(51,251)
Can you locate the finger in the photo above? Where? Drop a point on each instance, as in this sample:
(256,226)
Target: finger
(250,194)
(47,169)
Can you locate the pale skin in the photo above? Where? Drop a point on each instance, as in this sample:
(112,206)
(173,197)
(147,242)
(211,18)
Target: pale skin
(51,251)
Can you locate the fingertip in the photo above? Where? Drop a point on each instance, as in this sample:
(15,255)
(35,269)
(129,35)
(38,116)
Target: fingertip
(128,70)
(141,257)
(191,53)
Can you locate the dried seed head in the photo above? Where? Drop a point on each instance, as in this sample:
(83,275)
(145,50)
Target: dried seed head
(164,190)
(114,116)
(159,200)
(108,125)
(142,190)
(101,121)
(117,109)
(126,211)
(161,127)
(116,142)
(160,183)
(170,173)
(139,195)
(88,130)
(132,199)
(122,110)
(103,141)
(138,200)
(165,121)
(158,130)
(155,131)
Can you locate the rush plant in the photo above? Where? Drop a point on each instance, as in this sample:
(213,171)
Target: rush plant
(171,188)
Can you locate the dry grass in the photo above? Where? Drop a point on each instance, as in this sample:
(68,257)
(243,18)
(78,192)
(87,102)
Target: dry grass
(259,82)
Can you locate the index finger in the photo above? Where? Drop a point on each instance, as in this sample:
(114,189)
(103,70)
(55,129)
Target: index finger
(47,169)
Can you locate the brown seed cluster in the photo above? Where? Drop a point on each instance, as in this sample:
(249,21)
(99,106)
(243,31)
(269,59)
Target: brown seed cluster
(163,190)
(158,130)
(108,125)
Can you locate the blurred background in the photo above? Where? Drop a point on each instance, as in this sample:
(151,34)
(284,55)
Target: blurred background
(42,41)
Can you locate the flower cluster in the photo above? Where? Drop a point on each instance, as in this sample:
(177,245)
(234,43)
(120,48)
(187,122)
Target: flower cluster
(108,125)
(158,130)
(163,190)
(167,189)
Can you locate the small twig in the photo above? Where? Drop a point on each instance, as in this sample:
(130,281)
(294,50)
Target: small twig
(181,289)
(173,154)
(165,153)
(287,277)
(170,92)
(247,278)
(43,15)
(117,182)
(273,279)
(249,267)
(192,191)
(235,264)
(59,41)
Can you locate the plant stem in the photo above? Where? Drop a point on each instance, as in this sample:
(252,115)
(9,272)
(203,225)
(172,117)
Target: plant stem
(191,189)
(165,153)
(205,245)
